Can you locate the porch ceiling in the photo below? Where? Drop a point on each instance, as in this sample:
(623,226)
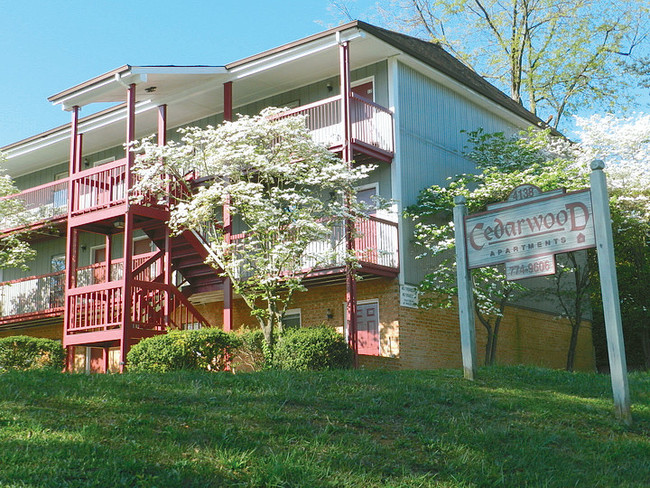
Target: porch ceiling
(191,93)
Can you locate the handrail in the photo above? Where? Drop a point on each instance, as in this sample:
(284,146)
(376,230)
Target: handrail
(98,169)
(376,243)
(29,278)
(367,101)
(309,106)
(33,189)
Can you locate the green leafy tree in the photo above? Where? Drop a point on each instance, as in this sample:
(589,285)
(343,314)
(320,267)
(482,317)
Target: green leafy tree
(534,157)
(552,56)
(286,192)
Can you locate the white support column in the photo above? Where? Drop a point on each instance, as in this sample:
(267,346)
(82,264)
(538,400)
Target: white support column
(465,292)
(609,290)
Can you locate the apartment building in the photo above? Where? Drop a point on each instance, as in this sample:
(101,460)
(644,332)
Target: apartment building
(108,272)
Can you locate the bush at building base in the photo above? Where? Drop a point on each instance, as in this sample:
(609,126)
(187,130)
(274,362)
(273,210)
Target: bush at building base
(312,348)
(23,353)
(203,349)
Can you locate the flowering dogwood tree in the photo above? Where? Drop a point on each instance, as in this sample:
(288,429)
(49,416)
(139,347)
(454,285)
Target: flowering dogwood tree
(534,157)
(287,195)
(624,144)
(15,250)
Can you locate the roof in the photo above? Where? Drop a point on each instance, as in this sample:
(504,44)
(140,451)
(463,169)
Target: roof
(197,91)
(436,57)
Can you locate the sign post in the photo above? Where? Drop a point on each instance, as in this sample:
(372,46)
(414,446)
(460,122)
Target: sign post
(525,233)
(465,292)
(609,290)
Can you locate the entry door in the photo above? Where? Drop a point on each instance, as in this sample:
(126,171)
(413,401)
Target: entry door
(368,328)
(365,90)
(97,258)
(364,126)
(95,359)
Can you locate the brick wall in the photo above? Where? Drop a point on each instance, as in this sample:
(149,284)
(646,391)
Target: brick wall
(52,331)
(427,339)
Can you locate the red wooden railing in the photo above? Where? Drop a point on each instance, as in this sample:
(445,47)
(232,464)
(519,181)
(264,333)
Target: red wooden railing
(148,308)
(48,201)
(99,187)
(96,273)
(372,124)
(97,308)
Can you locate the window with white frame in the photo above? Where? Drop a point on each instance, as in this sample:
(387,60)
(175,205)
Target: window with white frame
(291,319)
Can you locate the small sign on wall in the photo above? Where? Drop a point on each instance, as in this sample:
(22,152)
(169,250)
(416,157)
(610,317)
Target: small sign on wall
(408,296)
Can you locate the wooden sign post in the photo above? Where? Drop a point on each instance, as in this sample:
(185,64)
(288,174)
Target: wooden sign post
(609,290)
(525,233)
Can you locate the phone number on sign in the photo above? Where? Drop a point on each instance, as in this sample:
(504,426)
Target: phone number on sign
(538,267)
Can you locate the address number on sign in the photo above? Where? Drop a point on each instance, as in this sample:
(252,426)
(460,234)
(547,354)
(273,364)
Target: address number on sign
(529,268)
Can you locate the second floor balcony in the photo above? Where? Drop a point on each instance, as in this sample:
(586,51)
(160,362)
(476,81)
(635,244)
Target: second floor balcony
(104,186)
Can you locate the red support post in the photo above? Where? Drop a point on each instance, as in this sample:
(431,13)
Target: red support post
(130,124)
(167,258)
(128,289)
(69,252)
(69,360)
(227,101)
(79,151)
(227,220)
(347,156)
(128,231)
(105,359)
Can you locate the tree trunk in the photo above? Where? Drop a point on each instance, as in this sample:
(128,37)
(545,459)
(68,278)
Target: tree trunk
(495,337)
(570,360)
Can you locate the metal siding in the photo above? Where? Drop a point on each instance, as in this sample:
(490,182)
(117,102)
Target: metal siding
(40,177)
(41,265)
(431,142)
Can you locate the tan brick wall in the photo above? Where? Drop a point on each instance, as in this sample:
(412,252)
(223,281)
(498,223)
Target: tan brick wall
(427,339)
(53,331)
(431,339)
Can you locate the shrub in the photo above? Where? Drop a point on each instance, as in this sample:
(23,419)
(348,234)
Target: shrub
(312,348)
(249,355)
(23,353)
(203,349)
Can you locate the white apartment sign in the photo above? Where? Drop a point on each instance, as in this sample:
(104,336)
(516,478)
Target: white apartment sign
(525,233)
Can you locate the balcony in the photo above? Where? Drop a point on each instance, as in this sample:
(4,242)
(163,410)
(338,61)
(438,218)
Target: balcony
(43,296)
(48,202)
(372,125)
(32,297)
(375,244)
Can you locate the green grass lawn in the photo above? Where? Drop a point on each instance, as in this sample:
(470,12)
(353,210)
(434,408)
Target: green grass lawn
(512,427)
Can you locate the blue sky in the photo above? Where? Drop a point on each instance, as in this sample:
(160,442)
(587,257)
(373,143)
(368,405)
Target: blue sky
(48,46)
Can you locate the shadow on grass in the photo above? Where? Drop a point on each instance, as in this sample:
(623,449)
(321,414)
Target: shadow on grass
(512,427)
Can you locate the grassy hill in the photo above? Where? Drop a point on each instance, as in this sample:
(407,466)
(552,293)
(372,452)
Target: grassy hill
(512,427)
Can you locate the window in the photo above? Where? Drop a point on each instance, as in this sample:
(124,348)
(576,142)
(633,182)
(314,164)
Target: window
(291,319)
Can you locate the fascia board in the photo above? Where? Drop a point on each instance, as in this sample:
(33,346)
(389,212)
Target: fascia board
(293,54)
(179,70)
(91,93)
